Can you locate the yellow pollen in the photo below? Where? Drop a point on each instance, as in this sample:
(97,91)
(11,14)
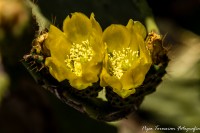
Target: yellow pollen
(79,53)
(121,61)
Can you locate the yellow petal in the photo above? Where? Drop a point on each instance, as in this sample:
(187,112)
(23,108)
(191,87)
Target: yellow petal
(124,93)
(79,83)
(138,33)
(58,70)
(134,42)
(77,28)
(144,53)
(57,43)
(133,78)
(91,71)
(107,80)
(139,74)
(128,80)
(95,24)
(98,48)
(137,27)
(116,37)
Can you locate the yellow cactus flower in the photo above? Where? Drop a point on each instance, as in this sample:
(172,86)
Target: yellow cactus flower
(127,60)
(77,52)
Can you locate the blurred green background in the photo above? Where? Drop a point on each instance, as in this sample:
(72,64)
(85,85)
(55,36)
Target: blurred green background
(27,108)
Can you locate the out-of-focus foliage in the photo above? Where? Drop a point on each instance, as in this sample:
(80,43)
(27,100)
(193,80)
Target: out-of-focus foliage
(14,17)
(4,82)
(178,97)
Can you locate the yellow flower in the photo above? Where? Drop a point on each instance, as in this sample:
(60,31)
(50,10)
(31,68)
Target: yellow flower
(127,60)
(77,52)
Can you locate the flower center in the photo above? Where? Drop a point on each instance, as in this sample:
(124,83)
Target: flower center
(79,53)
(121,61)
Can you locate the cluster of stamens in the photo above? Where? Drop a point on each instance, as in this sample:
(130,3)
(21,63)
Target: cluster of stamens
(79,53)
(121,61)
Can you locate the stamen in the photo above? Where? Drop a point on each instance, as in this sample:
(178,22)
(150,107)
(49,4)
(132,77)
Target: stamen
(79,53)
(121,61)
